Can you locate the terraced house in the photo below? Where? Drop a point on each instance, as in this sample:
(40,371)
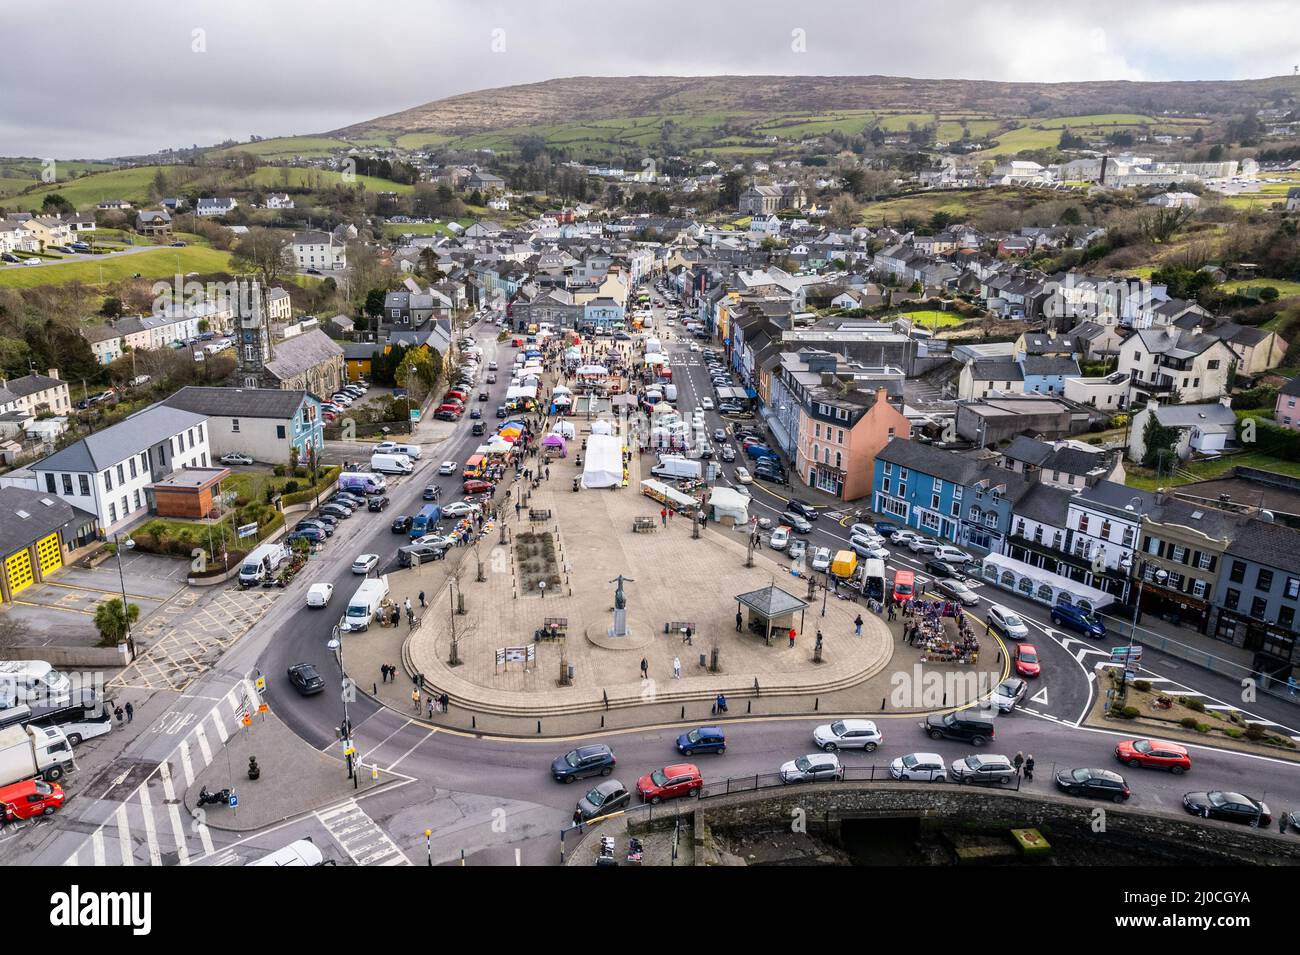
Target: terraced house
(1259,596)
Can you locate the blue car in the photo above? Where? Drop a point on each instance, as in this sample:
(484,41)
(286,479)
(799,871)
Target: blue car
(885,528)
(705,739)
(1068,615)
(757,451)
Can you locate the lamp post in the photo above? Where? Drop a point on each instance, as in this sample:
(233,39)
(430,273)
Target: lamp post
(1136,568)
(345,731)
(126,616)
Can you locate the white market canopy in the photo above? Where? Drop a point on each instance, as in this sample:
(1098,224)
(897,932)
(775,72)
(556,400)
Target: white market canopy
(603,464)
(1035,583)
(593,370)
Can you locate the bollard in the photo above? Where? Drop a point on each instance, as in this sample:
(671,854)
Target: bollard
(749,706)
(817,704)
(473,722)
(882,704)
(539,727)
(945,697)
(602,720)
(683,711)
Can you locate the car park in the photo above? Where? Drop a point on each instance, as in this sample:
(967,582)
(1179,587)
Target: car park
(671,782)
(314,524)
(981,768)
(965,727)
(810,768)
(402,524)
(847,734)
(595,759)
(377,503)
(236,457)
(1228,806)
(609,796)
(703,739)
(1008,694)
(1097,783)
(1154,754)
(365,563)
(1006,622)
(305,679)
(318,595)
(924,767)
(956,590)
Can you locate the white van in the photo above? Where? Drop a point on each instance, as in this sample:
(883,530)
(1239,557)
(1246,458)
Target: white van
(675,468)
(670,392)
(261,563)
(391,464)
(302,852)
(364,603)
(33,682)
(412,451)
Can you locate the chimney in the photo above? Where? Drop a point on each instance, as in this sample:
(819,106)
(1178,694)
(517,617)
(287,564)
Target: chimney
(54,373)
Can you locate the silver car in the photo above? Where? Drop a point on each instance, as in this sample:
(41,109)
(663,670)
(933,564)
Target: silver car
(1008,694)
(982,768)
(610,796)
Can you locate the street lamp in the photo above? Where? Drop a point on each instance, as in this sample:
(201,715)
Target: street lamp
(126,616)
(345,731)
(1137,567)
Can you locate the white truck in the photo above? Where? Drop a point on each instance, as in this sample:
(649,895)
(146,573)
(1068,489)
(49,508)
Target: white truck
(363,604)
(675,467)
(391,464)
(27,751)
(262,563)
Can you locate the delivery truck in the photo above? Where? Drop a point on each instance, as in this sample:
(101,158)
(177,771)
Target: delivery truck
(391,463)
(364,603)
(28,751)
(674,467)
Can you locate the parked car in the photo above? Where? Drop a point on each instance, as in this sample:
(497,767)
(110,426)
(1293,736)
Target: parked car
(1076,618)
(952,554)
(475,486)
(742,475)
(956,590)
(1098,783)
(926,767)
(402,524)
(596,759)
(982,769)
(779,539)
(1228,806)
(1006,622)
(704,739)
(501,411)
(796,521)
(1008,694)
(679,779)
(341,511)
(940,568)
(423,552)
(460,509)
(609,796)
(236,457)
(1025,659)
(313,535)
(365,563)
(319,594)
(848,734)
(923,545)
(314,524)
(1154,754)
(903,537)
(446,467)
(802,507)
(305,679)
(377,503)
(965,727)
(821,561)
(812,767)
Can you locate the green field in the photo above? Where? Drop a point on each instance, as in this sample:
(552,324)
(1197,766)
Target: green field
(931,318)
(1046,133)
(286,147)
(271,177)
(157,264)
(1283,286)
(129,184)
(1209,470)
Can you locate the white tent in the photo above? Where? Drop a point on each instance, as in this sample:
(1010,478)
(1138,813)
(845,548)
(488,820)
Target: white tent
(729,506)
(561,390)
(603,464)
(601,426)
(596,371)
(658,358)
(565,429)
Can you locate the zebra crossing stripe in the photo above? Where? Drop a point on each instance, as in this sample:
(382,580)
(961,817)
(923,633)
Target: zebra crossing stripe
(124,836)
(205,750)
(174,813)
(221,730)
(97,847)
(187,768)
(150,833)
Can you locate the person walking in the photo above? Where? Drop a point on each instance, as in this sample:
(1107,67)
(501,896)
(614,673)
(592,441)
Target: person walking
(645,668)
(577,817)
(445,702)
(130,712)
(1029,767)
(383,673)
(687,634)
(117,711)
(422,603)
(791,635)
(739,621)
(1018,762)
(818,645)
(415,700)
(663,516)
(857,625)
(428,707)
(677,668)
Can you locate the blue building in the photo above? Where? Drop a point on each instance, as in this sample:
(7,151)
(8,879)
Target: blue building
(1046,375)
(603,313)
(952,496)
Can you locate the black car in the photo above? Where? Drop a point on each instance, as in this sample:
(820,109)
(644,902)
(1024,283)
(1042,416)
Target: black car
(347,500)
(772,477)
(376,503)
(941,568)
(482,396)
(402,525)
(596,759)
(1100,783)
(477,428)
(1231,807)
(968,727)
(307,524)
(305,679)
(313,535)
(802,507)
(419,553)
(501,411)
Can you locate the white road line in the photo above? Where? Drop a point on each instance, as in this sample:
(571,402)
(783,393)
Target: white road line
(187,768)
(124,836)
(150,835)
(173,812)
(97,847)
(221,729)
(205,750)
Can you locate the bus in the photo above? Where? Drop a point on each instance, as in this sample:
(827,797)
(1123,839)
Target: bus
(424,522)
(474,467)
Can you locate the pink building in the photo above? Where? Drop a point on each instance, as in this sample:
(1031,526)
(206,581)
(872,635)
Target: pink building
(840,434)
(1287,411)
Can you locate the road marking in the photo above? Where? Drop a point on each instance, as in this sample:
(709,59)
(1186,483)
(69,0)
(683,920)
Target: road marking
(187,767)
(1040,696)
(173,813)
(150,833)
(97,848)
(370,844)
(124,836)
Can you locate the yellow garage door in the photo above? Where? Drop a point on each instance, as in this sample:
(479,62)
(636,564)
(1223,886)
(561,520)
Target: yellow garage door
(48,554)
(18,571)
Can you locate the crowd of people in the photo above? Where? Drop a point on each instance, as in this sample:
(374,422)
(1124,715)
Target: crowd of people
(924,626)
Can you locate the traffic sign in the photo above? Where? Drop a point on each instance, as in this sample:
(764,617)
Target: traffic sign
(1125,654)
(234,801)
(260,684)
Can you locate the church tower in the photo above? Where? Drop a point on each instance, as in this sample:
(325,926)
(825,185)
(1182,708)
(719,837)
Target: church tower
(253,337)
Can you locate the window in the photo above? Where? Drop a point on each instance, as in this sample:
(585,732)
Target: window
(1083,523)
(1286,617)
(1238,573)
(1292,589)
(817,431)
(1199,589)
(1264,581)
(1105,530)
(934,500)
(884,485)
(135,500)
(841,437)
(955,510)
(133,471)
(1259,607)
(121,474)
(112,513)
(888,468)
(1020,527)
(234,425)
(279,431)
(990,519)
(896,508)
(83,481)
(1205,561)
(1213,364)
(67,483)
(1232,598)
(125,509)
(1179,554)
(902,489)
(902,474)
(930,521)
(108,480)
(839,460)
(956,492)
(49,483)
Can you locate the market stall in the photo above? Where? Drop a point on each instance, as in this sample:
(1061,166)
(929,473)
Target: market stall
(603,461)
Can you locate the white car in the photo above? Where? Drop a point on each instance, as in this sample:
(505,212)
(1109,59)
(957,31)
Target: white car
(365,563)
(1008,694)
(952,554)
(811,767)
(956,590)
(743,476)
(877,553)
(434,540)
(236,457)
(797,549)
(780,538)
(923,545)
(847,734)
(982,769)
(460,509)
(821,560)
(384,447)
(447,467)
(903,537)
(319,595)
(1006,622)
(927,767)
(864,530)
(707,402)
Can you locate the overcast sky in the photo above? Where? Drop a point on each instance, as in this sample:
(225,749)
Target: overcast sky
(94,78)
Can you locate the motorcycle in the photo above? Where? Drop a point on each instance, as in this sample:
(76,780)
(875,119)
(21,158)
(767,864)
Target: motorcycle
(219,798)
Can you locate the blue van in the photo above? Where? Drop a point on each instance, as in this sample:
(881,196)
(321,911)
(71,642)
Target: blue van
(424,522)
(1086,622)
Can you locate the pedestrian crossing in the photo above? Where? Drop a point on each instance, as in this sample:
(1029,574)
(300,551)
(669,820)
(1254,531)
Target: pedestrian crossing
(360,836)
(150,825)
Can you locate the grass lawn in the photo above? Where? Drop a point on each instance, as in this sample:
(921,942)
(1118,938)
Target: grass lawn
(155,264)
(1283,286)
(1209,470)
(932,318)
(129,184)
(274,178)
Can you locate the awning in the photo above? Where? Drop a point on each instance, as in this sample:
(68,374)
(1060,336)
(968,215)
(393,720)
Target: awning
(1040,584)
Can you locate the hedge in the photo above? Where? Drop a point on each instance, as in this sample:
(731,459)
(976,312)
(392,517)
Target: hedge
(327,478)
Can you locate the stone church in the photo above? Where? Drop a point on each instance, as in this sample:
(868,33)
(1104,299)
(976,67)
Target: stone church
(309,361)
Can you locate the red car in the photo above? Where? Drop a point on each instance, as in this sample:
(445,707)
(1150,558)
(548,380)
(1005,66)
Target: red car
(26,800)
(680,779)
(475,486)
(1026,658)
(456,396)
(1155,754)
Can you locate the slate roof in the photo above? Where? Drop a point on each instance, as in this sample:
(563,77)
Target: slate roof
(1272,544)
(1048,365)
(307,350)
(44,513)
(996,371)
(771,601)
(238,402)
(1203,415)
(1045,504)
(30,385)
(130,436)
(1291,388)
